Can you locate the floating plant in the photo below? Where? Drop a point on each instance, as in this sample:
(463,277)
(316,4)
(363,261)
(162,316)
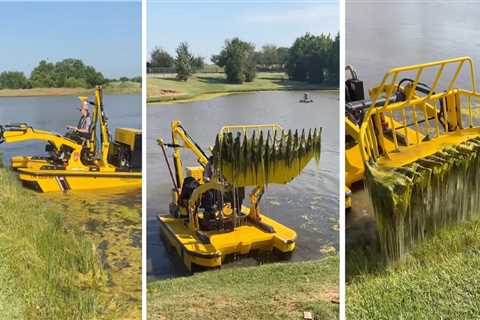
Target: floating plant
(276,156)
(412,202)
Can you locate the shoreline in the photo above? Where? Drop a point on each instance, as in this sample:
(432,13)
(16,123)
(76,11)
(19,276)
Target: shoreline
(293,287)
(169,100)
(59,92)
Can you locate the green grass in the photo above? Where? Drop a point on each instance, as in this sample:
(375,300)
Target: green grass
(208,85)
(116,87)
(46,271)
(439,279)
(271,291)
(123,87)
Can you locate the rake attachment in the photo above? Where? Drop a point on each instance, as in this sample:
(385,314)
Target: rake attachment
(260,155)
(425,183)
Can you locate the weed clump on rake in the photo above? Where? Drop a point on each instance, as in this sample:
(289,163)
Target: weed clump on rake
(261,158)
(415,201)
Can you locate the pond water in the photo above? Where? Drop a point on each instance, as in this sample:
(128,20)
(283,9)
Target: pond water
(398,33)
(309,204)
(111,218)
(391,34)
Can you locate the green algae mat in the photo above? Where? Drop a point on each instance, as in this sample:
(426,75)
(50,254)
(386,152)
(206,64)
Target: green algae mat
(111,219)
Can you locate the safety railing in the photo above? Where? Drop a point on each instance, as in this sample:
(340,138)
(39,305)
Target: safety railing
(418,107)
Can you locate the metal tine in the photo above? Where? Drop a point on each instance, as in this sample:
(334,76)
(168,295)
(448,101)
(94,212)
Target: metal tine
(432,90)
(374,141)
(469,103)
(405,129)
(378,114)
(417,79)
(444,104)
(417,126)
(394,132)
(457,72)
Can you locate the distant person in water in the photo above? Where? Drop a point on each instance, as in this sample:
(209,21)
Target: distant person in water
(83,127)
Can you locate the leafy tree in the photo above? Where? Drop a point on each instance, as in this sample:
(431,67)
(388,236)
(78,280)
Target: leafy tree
(250,66)
(333,65)
(270,55)
(238,59)
(13,80)
(66,73)
(282,56)
(197,63)
(42,75)
(161,58)
(259,57)
(314,59)
(75,83)
(136,79)
(183,62)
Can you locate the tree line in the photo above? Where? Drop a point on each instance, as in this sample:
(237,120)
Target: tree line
(311,58)
(68,73)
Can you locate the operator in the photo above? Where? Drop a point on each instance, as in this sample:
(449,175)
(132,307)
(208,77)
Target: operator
(83,127)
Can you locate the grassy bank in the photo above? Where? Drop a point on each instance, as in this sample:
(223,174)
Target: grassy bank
(116,87)
(439,279)
(271,291)
(210,85)
(46,270)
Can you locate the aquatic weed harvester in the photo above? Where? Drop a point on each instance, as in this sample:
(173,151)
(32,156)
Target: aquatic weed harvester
(421,182)
(207,220)
(77,162)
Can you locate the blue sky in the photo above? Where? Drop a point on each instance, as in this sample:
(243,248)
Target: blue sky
(206,25)
(105,35)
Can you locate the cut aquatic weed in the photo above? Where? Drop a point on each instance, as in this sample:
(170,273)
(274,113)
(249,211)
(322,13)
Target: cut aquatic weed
(412,202)
(275,157)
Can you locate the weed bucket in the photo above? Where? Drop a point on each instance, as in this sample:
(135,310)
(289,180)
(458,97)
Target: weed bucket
(421,183)
(264,154)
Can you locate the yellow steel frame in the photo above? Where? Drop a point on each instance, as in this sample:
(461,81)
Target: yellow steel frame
(178,133)
(459,102)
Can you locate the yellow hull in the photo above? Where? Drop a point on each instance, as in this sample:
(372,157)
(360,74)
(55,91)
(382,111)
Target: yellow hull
(34,173)
(241,241)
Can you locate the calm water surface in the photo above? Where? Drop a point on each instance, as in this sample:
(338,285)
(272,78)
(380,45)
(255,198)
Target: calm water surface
(309,204)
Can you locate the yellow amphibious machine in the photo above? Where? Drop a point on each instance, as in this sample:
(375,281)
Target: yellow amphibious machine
(207,220)
(418,150)
(76,162)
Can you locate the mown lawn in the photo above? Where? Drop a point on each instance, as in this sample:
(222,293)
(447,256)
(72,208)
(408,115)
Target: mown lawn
(439,279)
(271,291)
(208,85)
